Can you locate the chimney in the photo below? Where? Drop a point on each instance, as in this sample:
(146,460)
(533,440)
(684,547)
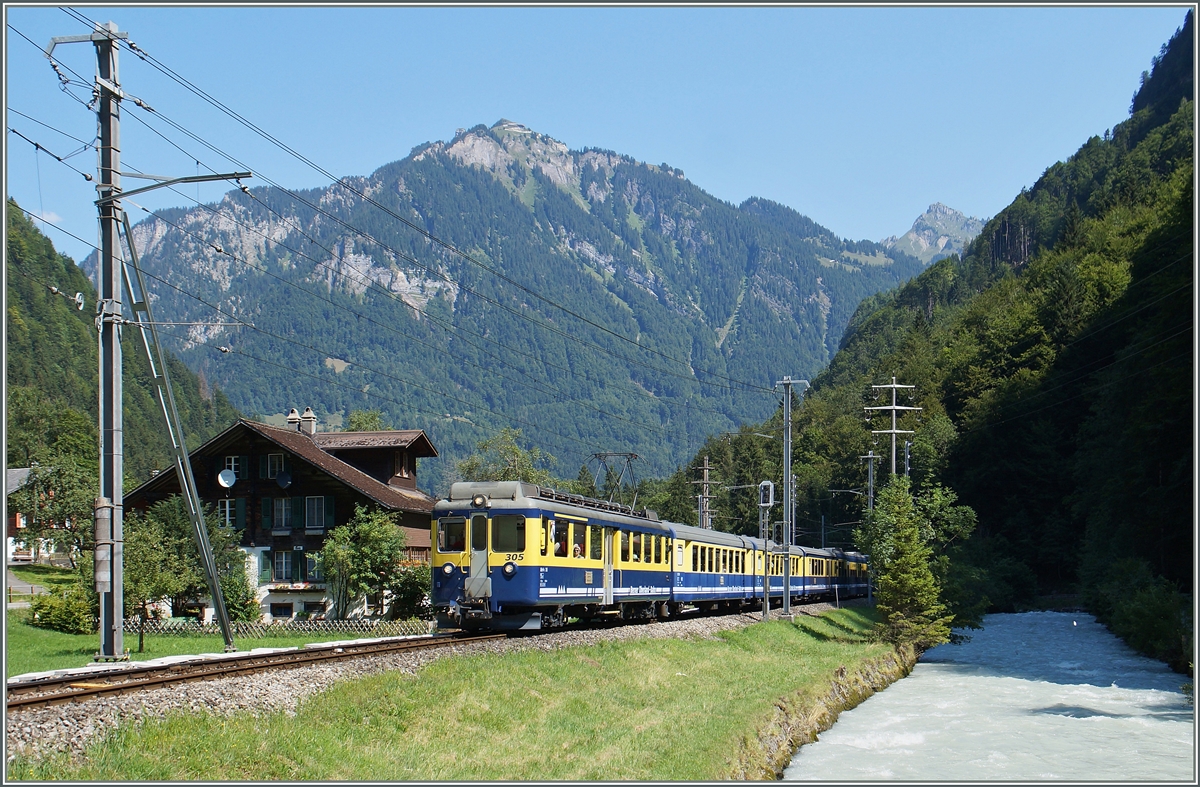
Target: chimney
(308,421)
(293,420)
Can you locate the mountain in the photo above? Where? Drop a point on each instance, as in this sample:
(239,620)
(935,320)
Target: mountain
(937,233)
(1054,362)
(52,369)
(500,279)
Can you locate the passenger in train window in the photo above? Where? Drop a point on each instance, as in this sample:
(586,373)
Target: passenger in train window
(579,537)
(577,552)
(637,547)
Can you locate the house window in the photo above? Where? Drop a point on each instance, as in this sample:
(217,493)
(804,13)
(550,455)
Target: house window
(227,512)
(314,513)
(231,463)
(283,513)
(283,568)
(312,568)
(274,465)
(281,610)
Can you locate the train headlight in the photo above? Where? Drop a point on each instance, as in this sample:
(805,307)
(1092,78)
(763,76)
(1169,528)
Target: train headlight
(448,569)
(510,569)
(479,501)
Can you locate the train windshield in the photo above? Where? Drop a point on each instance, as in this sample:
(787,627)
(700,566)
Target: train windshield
(508,533)
(452,534)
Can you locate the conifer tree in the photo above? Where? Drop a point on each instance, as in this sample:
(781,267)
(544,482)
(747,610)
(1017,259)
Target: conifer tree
(907,593)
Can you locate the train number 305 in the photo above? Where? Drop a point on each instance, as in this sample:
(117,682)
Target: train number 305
(515,556)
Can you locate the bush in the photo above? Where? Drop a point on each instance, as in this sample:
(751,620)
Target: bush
(410,586)
(69,611)
(1147,612)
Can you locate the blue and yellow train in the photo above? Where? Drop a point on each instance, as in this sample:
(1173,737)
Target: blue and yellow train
(509,556)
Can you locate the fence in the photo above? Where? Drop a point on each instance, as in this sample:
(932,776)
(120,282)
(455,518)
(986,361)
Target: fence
(18,595)
(369,626)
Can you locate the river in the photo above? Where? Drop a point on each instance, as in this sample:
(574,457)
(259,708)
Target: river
(1032,697)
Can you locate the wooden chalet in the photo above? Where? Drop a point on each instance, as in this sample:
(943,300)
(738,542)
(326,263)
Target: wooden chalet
(291,486)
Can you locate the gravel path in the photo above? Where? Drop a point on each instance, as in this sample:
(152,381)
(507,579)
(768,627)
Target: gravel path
(37,732)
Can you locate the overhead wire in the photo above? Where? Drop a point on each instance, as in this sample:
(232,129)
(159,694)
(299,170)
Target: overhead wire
(445,277)
(331,302)
(376,287)
(361,316)
(187,84)
(541,429)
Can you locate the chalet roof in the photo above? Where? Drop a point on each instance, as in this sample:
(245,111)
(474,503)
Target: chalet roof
(411,439)
(304,447)
(15,478)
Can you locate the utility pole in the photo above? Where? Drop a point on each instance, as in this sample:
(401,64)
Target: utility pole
(110,505)
(109,508)
(894,408)
(766,499)
(870,457)
(786,382)
(704,497)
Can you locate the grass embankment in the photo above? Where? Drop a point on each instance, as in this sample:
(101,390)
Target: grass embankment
(643,709)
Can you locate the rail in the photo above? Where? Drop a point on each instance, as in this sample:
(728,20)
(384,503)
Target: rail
(61,689)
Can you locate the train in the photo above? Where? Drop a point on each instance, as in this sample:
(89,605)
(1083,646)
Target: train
(515,556)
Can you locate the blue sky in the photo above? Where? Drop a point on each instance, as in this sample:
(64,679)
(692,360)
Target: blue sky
(858,117)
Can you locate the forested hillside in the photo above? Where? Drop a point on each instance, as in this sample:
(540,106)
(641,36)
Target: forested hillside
(606,305)
(1054,365)
(52,370)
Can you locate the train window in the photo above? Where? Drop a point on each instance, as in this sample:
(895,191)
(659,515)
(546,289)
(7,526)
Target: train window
(479,532)
(637,547)
(657,549)
(679,555)
(596,541)
(708,564)
(508,533)
(452,534)
(578,540)
(547,536)
(725,561)
(695,558)
(625,546)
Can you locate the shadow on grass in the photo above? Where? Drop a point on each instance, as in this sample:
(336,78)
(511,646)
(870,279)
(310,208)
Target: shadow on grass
(819,629)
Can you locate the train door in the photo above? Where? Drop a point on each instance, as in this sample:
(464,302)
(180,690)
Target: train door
(478,584)
(608,565)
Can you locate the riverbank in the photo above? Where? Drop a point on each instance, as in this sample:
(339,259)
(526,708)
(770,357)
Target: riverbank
(684,700)
(799,719)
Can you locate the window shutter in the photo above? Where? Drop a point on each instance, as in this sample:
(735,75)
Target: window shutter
(264,567)
(243,470)
(297,566)
(268,512)
(329,512)
(262,465)
(298,511)
(241,513)
(287,464)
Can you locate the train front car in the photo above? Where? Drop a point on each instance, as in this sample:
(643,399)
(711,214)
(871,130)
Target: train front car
(514,556)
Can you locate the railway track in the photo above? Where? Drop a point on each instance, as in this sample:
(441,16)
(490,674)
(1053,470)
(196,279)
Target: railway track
(42,692)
